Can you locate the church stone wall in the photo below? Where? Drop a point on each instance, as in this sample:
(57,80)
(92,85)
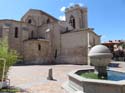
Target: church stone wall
(34,16)
(37,17)
(43,39)
(43,30)
(8,30)
(37,52)
(53,35)
(94,39)
(56,40)
(74,48)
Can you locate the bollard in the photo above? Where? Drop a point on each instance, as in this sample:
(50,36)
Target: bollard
(50,74)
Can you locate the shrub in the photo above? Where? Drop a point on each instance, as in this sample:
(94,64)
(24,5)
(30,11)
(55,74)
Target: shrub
(11,56)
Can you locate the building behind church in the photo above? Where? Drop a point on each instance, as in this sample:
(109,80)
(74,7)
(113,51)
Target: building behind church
(42,39)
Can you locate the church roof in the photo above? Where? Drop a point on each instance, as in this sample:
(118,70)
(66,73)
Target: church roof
(42,12)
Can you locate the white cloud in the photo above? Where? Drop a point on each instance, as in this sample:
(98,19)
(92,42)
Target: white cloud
(80,4)
(63,18)
(103,36)
(71,4)
(63,9)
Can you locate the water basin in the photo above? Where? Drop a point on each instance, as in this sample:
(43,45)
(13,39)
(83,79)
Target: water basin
(115,76)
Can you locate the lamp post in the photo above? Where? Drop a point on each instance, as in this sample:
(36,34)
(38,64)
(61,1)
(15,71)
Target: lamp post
(3,72)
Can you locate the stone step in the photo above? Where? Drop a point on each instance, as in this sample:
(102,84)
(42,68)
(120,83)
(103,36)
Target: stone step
(70,89)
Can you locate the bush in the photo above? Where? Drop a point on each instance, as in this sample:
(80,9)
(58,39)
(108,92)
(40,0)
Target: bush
(11,56)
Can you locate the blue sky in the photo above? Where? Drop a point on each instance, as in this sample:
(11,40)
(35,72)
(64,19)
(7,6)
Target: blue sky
(106,16)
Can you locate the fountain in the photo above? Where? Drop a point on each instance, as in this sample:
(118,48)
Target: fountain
(107,80)
(100,57)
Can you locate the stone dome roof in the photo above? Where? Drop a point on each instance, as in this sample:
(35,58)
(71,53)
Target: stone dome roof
(100,50)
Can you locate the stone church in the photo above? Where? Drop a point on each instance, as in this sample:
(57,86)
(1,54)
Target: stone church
(42,39)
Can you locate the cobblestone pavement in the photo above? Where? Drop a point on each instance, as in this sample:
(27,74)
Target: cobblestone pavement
(34,78)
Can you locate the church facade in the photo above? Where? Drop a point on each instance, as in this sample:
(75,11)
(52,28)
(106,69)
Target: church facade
(42,39)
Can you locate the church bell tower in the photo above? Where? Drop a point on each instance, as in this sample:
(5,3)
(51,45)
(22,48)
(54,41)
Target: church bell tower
(76,16)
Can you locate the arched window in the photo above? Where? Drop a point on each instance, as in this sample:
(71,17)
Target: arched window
(31,34)
(72,21)
(55,54)
(48,21)
(29,21)
(39,47)
(16,32)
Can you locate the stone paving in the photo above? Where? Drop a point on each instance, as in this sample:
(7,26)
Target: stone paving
(34,78)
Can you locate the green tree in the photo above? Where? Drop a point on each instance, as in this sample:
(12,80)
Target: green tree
(11,56)
(123,45)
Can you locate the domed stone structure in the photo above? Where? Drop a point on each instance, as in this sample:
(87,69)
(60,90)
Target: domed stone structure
(98,49)
(100,57)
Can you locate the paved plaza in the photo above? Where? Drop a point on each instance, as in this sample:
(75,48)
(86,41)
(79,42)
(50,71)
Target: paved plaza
(34,78)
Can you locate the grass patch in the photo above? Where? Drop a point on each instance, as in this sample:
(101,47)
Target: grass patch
(90,75)
(10,90)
